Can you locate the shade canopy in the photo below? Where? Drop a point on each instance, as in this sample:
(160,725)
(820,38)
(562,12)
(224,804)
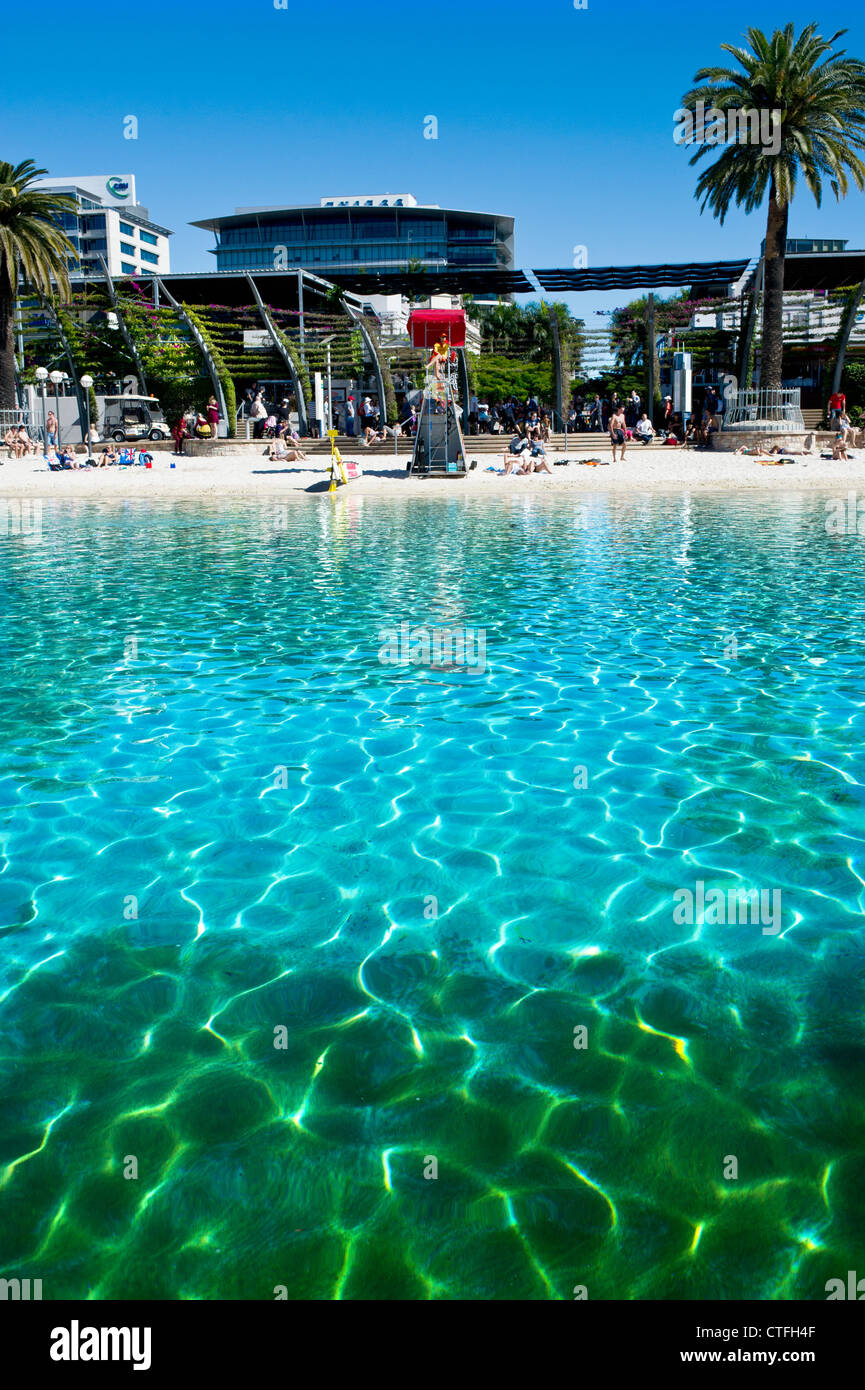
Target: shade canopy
(629,277)
(429,326)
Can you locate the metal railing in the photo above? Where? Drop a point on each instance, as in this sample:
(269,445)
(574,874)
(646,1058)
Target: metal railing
(14,419)
(764,410)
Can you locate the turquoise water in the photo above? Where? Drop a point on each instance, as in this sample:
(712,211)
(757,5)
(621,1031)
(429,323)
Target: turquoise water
(224,816)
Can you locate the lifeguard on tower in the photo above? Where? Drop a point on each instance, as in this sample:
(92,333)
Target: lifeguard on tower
(439,447)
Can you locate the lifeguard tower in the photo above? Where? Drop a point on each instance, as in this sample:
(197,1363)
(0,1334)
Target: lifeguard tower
(439,450)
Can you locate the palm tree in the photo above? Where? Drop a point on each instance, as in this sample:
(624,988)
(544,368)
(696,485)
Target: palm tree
(821,101)
(32,243)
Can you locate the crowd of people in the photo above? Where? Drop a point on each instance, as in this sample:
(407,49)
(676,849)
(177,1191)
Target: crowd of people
(507,416)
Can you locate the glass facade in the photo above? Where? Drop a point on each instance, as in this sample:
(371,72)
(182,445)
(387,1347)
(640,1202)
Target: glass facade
(354,239)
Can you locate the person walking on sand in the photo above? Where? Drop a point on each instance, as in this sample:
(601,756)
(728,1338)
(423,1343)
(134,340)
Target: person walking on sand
(617,431)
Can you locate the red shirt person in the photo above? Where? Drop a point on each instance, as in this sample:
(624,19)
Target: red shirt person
(837,405)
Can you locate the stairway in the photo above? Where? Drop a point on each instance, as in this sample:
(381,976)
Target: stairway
(438,449)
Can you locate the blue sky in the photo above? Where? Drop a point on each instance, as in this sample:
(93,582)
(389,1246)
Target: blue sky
(562,118)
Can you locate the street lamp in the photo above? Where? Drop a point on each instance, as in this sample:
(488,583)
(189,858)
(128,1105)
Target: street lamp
(41,375)
(57,377)
(86,382)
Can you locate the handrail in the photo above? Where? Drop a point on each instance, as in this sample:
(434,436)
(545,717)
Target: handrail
(302,413)
(203,349)
(124,330)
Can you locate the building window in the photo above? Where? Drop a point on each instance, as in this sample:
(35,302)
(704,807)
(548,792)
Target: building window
(149,256)
(327,230)
(126,229)
(145,236)
(373,226)
(419,227)
(127,268)
(129,250)
(93,224)
(95,244)
(470,233)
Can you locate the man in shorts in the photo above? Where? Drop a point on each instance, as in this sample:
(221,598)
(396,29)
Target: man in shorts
(617,431)
(837,407)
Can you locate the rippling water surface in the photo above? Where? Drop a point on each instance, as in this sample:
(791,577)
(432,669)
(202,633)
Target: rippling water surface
(308,939)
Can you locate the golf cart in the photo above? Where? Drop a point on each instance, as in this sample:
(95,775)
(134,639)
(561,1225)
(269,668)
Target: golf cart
(133,417)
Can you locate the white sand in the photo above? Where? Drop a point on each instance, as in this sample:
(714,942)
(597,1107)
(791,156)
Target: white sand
(246,476)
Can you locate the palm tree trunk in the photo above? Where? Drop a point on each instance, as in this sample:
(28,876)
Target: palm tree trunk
(8,399)
(773,294)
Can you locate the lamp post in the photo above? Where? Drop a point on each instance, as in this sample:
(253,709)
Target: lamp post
(57,377)
(86,382)
(41,375)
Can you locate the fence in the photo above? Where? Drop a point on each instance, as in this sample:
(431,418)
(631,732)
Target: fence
(764,410)
(14,419)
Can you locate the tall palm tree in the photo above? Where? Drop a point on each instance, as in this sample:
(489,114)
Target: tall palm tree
(32,243)
(820,95)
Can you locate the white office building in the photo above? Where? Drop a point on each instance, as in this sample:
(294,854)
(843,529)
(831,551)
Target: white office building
(109,222)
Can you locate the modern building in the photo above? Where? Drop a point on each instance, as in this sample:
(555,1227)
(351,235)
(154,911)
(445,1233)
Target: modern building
(816,272)
(108,222)
(347,237)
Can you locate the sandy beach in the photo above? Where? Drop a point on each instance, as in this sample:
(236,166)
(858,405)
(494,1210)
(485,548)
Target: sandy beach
(243,476)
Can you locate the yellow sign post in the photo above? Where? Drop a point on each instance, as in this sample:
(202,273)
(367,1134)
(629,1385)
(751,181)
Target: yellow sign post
(337,467)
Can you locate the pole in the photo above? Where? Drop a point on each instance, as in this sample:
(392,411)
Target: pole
(650,350)
(57,412)
(302,320)
(329,393)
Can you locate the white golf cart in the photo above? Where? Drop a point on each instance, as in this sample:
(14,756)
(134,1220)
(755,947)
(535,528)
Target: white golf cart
(133,417)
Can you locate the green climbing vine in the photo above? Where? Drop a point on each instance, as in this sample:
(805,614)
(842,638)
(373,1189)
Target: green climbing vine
(222,371)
